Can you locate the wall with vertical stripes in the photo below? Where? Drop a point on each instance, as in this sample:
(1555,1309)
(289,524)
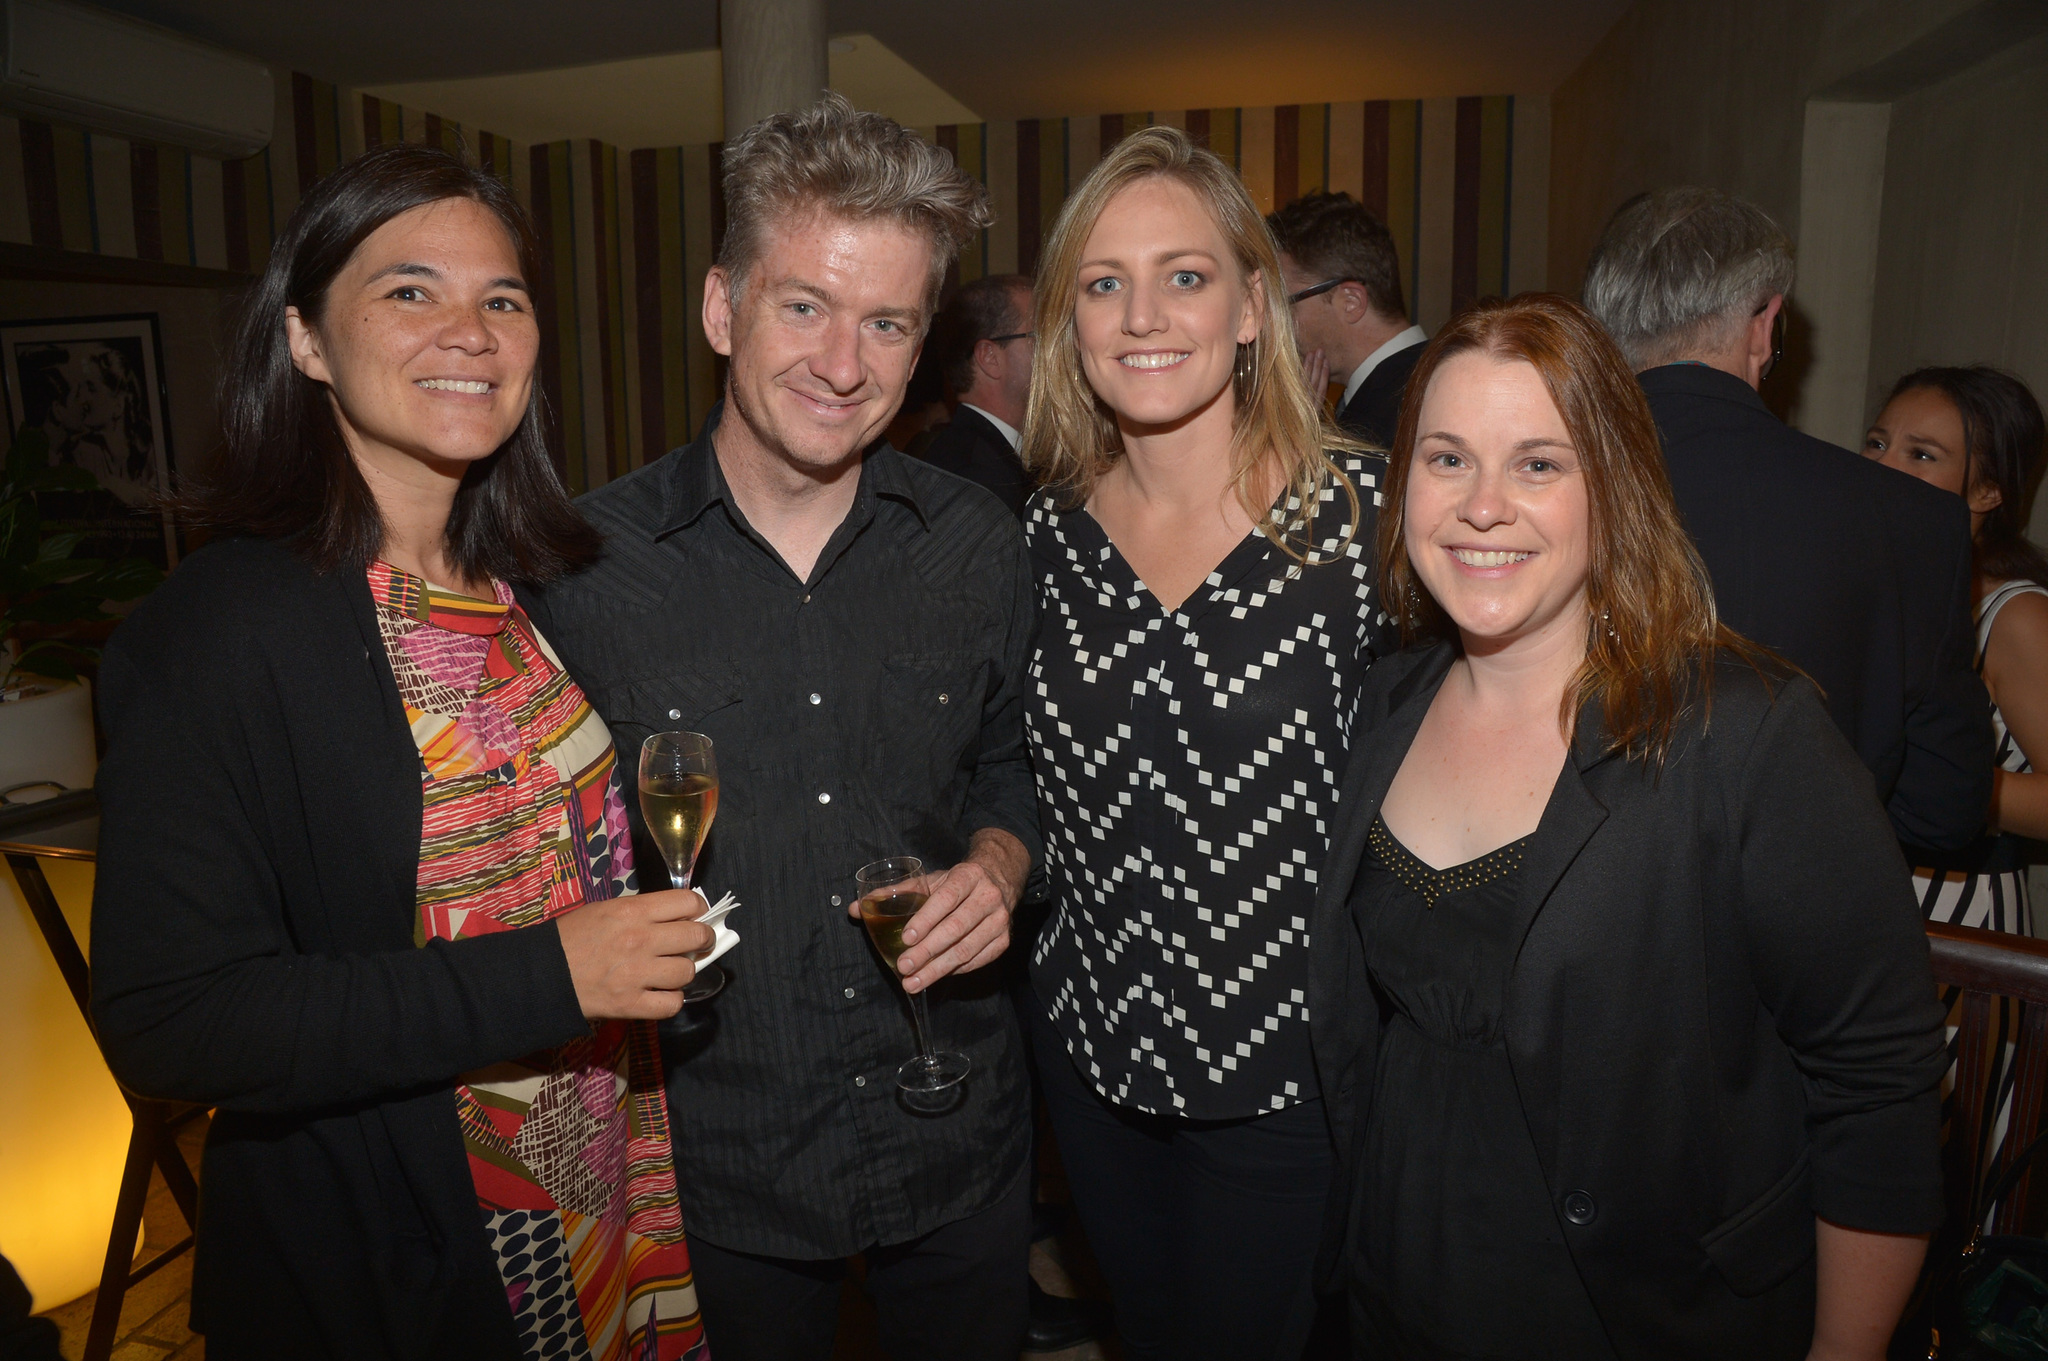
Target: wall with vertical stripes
(628,235)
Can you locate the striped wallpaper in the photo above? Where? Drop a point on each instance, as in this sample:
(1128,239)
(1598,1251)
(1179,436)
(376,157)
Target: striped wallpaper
(628,235)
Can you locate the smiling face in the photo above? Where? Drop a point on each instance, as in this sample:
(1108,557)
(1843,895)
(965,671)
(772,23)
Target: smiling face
(827,329)
(1497,519)
(426,341)
(1161,307)
(1921,434)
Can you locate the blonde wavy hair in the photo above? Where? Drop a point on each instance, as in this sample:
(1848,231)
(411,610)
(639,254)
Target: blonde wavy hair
(1070,435)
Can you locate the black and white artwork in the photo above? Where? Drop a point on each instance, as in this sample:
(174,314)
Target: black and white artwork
(95,386)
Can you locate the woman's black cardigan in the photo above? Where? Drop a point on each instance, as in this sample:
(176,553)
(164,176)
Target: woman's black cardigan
(1721,1019)
(252,948)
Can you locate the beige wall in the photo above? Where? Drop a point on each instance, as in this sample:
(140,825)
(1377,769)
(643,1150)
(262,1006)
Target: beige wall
(1918,216)
(1963,245)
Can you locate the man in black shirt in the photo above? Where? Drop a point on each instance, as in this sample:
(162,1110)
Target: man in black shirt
(1344,281)
(1856,573)
(988,331)
(851,629)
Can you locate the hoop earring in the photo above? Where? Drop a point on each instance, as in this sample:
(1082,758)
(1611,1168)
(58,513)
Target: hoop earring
(1245,372)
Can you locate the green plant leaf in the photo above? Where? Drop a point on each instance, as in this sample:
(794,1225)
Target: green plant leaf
(124,579)
(21,530)
(63,606)
(47,659)
(59,547)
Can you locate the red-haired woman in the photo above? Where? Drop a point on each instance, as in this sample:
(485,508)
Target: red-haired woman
(1634,1050)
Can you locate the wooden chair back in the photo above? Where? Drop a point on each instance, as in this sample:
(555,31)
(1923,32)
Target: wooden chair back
(1984,966)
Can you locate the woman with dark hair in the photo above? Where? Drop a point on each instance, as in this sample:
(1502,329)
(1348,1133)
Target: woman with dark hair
(1621,1006)
(1978,433)
(364,882)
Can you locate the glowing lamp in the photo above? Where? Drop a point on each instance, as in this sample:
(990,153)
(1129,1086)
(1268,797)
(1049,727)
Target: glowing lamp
(63,1125)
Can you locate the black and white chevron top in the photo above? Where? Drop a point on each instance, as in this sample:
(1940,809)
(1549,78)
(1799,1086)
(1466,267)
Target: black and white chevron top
(1187,761)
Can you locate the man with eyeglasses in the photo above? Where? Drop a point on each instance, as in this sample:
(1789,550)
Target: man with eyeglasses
(986,333)
(1344,283)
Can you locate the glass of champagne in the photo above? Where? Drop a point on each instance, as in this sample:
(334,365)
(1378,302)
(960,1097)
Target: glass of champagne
(891,892)
(679,797)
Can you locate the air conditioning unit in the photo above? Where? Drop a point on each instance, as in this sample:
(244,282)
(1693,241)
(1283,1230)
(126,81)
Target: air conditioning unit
(80,65)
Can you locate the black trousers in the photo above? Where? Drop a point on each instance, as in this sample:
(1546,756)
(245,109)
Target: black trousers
(1205,1230)
(956,1294)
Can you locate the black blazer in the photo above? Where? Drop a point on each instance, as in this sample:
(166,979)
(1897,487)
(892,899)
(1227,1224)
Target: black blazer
(970,447)
(1374,411)
(1855,572)
(252,948)
(1721,1018)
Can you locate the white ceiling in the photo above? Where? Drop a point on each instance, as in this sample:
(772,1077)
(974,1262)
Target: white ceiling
(999,58)
(673,100)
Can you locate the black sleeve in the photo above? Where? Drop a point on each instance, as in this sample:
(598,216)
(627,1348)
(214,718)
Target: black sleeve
(1840,961)
(198,993)
(1002,793)
(1944,788)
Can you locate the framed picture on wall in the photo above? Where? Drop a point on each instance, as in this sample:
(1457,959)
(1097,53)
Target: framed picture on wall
(95,386)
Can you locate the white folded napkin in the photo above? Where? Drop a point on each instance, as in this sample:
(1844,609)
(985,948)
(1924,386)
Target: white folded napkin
(723,936)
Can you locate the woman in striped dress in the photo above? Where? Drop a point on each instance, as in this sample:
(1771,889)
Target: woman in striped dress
(1978,433)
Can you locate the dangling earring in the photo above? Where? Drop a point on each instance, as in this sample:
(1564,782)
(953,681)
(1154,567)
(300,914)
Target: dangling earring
(1607,622)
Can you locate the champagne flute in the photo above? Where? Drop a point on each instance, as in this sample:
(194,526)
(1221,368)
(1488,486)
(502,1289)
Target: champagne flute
(891,892)
(679,797)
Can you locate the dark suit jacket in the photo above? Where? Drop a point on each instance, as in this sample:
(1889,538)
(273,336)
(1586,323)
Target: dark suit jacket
(1374,411)
(968,446)
(1855,572)
(1721,1019)
(252,949)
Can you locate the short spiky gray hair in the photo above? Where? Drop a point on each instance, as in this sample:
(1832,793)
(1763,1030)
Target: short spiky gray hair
(834,159)
(1679,269)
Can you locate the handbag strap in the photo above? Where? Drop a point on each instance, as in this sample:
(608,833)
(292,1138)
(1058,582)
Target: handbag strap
(2012,1173)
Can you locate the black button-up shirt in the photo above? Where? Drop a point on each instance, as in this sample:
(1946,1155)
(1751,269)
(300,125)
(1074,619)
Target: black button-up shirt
(875,709)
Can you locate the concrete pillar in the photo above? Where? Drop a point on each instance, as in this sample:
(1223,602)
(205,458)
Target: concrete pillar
(773,58)
(1841,201)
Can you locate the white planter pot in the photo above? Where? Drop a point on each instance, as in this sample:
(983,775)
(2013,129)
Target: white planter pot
(48,737)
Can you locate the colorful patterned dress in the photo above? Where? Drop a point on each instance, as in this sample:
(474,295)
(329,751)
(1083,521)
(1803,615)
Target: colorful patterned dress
(523,820)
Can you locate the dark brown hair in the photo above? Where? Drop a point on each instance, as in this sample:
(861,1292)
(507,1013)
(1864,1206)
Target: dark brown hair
(287,474)
(1334,236)
(982,310)
(2003,442)
(1652,628)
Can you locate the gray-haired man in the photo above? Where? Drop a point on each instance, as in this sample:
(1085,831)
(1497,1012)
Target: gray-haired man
(1858,574)
(851,628)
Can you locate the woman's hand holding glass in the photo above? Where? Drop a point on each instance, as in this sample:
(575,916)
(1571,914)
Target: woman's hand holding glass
(630,958)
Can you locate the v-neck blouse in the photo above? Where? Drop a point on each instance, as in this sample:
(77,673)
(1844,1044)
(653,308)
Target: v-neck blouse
(1187,762)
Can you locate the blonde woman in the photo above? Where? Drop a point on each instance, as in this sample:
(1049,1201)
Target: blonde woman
(1204,568)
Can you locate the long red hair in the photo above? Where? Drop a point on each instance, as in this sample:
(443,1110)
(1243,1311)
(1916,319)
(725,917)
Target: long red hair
(1652,630)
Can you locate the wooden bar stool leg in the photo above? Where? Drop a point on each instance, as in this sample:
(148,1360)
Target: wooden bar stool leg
(106,1306)
(170,1160)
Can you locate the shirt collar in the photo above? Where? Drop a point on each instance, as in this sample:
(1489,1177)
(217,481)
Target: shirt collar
(1414,335)
(696,482)
(1003,427)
